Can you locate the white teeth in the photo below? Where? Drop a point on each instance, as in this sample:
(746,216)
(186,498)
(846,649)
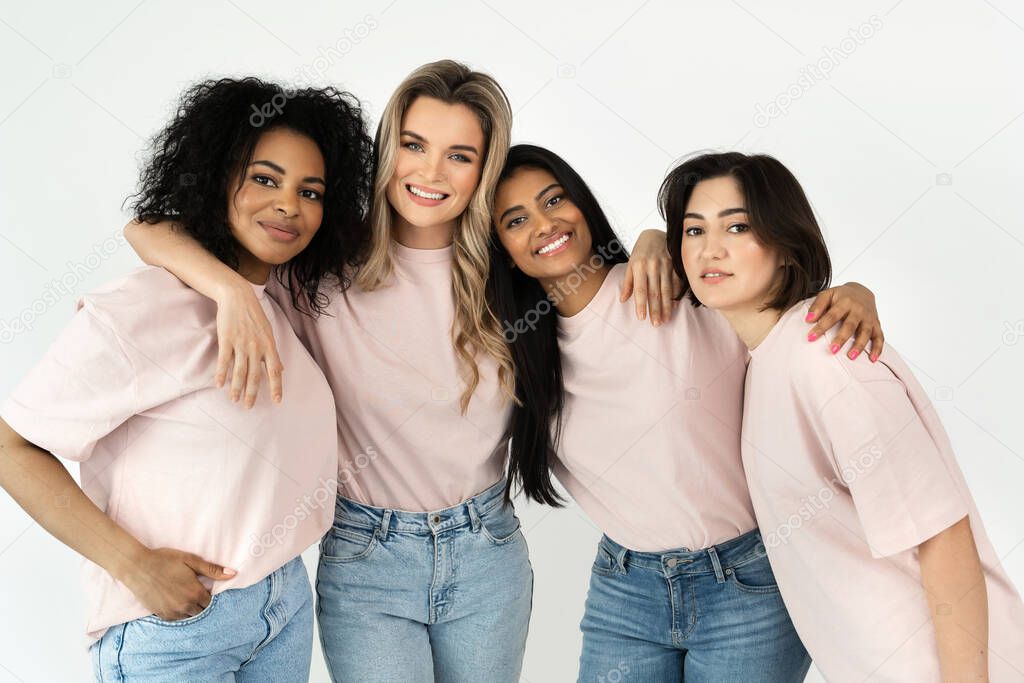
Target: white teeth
(426,195)
(554,245)
(714,275)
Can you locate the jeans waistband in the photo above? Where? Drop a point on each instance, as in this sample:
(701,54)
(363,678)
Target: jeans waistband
(734,552)
(467,513)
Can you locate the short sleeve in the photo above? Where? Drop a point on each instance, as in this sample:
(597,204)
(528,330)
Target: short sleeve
(902,483)
(82,389)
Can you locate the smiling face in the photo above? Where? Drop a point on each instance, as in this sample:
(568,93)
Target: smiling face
(438,164)
(726,266)
(278,208)
(543,232)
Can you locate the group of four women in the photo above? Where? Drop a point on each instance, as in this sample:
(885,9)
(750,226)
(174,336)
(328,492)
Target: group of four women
(445,313)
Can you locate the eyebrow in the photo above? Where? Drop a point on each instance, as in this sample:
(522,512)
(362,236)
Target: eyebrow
(519,207)
(721,214)
(272,165)
(465,148)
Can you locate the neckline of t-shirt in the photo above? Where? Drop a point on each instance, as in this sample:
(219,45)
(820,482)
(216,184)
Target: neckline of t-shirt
(422,255)
(574,323)
(776,330)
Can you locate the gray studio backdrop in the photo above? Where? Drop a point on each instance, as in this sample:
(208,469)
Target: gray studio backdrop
(900,118)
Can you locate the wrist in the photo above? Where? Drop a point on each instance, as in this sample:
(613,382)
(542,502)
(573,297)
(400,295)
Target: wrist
(127,563)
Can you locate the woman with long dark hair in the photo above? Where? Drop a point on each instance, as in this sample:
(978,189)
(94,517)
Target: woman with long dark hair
(192,511)
(680,588)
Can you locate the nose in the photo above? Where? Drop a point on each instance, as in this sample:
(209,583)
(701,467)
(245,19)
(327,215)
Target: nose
(714,247)
(544,226)
(434,168)
(287,204)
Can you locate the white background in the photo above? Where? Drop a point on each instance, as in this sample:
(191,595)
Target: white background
(910,152)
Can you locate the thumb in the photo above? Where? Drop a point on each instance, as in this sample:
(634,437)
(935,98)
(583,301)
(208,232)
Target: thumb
(214,571)
(626,290)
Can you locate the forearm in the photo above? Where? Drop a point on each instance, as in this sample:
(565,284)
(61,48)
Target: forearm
(41,485)
(954,580)
(165,245)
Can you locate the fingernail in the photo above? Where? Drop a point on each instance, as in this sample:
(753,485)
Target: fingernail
(834,348)
(229,571)
(810,317)
(812,336)
(853,354)
(873,358)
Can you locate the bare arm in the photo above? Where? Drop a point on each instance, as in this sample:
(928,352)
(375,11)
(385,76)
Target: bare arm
(953,578)
(245,339)
(164,580)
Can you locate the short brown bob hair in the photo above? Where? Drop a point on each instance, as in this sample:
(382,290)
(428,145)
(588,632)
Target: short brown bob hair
(781,218)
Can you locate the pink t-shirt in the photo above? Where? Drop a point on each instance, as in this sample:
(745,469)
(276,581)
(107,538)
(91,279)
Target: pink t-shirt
(850,470)
(127,391)
(650,445)
(389,356)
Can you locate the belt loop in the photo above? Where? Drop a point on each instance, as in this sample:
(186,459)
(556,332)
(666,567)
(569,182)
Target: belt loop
(717,564)
(620,559)
(474,515)
(385,525)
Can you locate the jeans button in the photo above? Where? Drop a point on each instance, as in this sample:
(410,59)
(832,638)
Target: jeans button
(672,562)
(436,519)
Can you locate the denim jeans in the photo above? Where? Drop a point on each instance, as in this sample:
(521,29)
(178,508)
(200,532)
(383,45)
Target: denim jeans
(260,633)
(419,597)
(700,616)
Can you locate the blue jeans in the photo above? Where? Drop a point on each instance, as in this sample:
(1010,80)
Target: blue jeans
(260,633)
(415,597)
(700,616)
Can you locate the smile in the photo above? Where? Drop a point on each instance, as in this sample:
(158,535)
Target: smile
(554,246)
(425,194)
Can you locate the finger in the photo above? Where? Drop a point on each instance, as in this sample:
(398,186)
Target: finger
(877,343)
(238,375)
(828,320)
(253,377)
(275,371)
(677,284)
(209,569)
(627,285)
(667,292)
(845,332)
(223,362)
(654,297)
(860,343)
(819,306)
(640,298)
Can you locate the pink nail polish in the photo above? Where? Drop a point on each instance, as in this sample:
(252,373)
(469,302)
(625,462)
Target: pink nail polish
(834,348)
(810,317)
(812,337)
(853,354)
(874,359)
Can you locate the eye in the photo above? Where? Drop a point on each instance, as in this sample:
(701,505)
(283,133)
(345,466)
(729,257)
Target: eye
(413,146)
(264,180)
(737,228)
(461,158)
(554,201)
(693,231)
(311,194)
(516,222)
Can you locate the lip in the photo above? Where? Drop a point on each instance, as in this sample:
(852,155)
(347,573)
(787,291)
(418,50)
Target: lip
(423,201)
(279,232)
(714,280)
(555,238)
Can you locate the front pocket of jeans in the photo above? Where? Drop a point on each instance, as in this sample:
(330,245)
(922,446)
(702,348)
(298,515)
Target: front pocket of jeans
(500,527)
(754,577)
(154,619)
(604,562)
(347,544)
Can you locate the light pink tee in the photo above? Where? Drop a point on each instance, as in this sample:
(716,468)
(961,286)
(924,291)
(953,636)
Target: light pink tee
(389,357)
(650,444)
(127,391)
(850,470)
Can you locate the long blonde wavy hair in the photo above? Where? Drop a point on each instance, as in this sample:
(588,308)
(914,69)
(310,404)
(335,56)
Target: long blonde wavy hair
(475,329)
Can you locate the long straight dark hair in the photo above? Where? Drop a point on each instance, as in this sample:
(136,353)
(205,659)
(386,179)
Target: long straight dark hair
(529,323)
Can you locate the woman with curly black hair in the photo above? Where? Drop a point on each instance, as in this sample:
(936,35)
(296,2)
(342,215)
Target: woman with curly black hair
(193,511)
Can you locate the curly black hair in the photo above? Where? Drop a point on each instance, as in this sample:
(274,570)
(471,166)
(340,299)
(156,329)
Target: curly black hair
(211,140)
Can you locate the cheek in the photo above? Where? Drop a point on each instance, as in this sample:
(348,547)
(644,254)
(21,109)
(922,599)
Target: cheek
(465,179)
